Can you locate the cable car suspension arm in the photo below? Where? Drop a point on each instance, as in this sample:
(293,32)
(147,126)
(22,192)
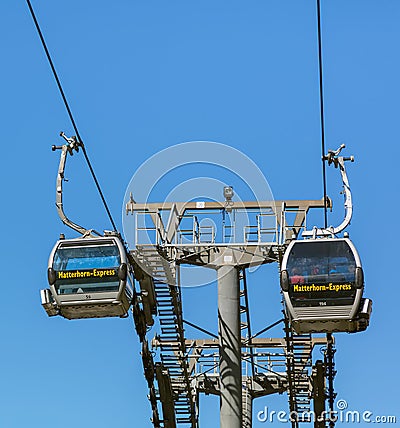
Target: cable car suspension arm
(338,161)
(69,148)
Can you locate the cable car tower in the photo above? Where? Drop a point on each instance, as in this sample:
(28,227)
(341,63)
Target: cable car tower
(185,370)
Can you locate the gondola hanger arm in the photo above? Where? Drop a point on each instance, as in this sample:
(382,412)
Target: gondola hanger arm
(71,145)
(339,162)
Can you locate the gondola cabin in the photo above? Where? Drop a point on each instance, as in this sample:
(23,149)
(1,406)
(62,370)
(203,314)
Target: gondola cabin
(322,283)
(88,278)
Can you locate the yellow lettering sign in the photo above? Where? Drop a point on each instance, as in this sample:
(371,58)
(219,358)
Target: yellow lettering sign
(87,273)
(319,288)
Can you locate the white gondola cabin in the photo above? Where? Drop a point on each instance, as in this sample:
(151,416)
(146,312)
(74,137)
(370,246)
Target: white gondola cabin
(88,278)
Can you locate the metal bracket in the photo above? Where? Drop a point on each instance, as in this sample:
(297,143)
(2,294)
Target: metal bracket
(69,148)
(338,161)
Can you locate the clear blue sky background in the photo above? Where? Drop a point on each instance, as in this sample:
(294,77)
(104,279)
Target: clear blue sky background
(140,77)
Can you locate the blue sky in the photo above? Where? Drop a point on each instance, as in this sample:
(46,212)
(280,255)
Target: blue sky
(141,77)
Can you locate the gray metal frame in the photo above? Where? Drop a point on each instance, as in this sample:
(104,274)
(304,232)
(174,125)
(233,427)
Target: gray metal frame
(161,258)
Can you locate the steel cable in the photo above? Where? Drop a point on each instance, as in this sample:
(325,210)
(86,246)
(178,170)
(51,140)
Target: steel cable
(321,98)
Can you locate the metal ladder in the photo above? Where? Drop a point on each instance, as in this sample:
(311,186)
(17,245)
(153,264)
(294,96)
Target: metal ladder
(298,364)
(173,352)
(301,378)
(329,362)
(245,325)
(174,364)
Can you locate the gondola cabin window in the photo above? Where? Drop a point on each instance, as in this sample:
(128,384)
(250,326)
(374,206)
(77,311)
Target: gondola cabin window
(87,269)
(321,271)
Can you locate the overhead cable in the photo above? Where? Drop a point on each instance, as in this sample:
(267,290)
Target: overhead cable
(321,98)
